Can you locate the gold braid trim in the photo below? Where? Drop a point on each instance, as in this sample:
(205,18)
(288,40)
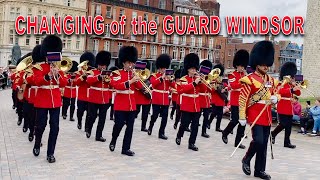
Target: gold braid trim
(243,100)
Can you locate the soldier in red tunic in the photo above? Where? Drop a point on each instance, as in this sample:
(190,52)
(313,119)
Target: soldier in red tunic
(88,61)
(189,100)
(256,92)
(99,94)
(176,98)
(70,92)
(14,90)
(49,80)
(160,94)
(125,81)
(112,94)
(240,62)
(284,106)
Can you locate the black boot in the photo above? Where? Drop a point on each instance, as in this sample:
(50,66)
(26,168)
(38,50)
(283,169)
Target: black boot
(224,138)
(218,130)
(246,168)
(193,147)
(101,139)
(262,175)
(51,159)
(128,152)
(30,137)
(36,151)
(289,145)
(112,146)
(178,141)
(205,135)
(162,136)
(150,130)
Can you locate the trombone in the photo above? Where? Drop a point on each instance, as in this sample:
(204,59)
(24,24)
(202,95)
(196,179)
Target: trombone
(143,75)
(304,85)
(207,79)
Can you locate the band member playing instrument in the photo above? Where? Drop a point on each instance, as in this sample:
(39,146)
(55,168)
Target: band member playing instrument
(205,101)
(189,100)
(99,94)
(176,98)
(70,92)
(124,82)
(219,98)
(87,62)
(160,94)
(174,94)
(49,80)
(284,107)
(256,92)
(113,93)
(240,62)
(14,90)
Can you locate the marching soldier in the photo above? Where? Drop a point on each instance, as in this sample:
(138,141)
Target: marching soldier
(99,94)
(160,94)
(49,80)
(70,92)
(87,62)
(240,62)
(113,93)
(175,98)
(284,107)
(124,82)
(219,98)
(257,89)
(14,90)
(189,100)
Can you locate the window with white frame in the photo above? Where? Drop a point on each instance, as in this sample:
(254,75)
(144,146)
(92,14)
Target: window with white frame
(37,40)
(11,35)
(119,45)
(107,45)
(145,38)
(109,12)
(95,46)
(12,13)
(193,41)
(175,39)
(211,43)
(174,53)
(210,55)
(200,53)
(122,12)
(69,42)
(183,40)
(28,40)
(143,51)
(146,3)
(153,51)
(162,4)
(67,2)
(163,50)
(200,41)
(78,42)
(182,53)
(164,38)
(135,1)
(134,15)
(107,30)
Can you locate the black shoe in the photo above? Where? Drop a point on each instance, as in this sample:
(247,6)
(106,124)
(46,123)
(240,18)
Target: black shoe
(71,119)
(112,146)
(246,168)
(162,136)
(231,132)
(30,137)
(51,159)
(218,130)
(241,146)
(64,116)
(290,146)
(144,130)
(128,152)
(79,126)
(88,134)
(24,129)
(175,126)
(36,151)
(193,147)
(262,175)
(208,126)
(205,135)
(178,141)
(188,129)
(149,132)
(19,122)
(225,138)
(111,119)
(16,111)
(101,139)
(171,117)
(273,139)
(13,107)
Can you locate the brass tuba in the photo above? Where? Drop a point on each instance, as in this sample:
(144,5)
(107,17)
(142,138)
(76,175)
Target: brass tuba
(25,63)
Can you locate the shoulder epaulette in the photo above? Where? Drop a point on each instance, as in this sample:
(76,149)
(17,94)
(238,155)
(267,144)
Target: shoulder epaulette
(117,72)
(154,75)
(38,66)
(183,79)
(246,80)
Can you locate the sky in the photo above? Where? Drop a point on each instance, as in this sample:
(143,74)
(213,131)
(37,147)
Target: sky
(268,8)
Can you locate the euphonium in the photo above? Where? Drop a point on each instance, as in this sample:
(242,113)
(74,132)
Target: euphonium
(25,63)
(65,64)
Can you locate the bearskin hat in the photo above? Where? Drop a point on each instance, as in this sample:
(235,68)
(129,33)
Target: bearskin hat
(128,53)
(288,68)
(262,54)
(36,56)
(220,66)
(113,68)
(103,58)
(191,61)
(178,73)
(241,58)
(51,43)
(206,63)
(74,67)
(88,56)
(163,61)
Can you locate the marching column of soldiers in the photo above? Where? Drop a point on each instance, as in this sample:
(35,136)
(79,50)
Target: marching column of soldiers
(41,86)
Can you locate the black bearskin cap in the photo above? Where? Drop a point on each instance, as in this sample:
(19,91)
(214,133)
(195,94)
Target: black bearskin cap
(128,53)
(206,63)
(103,58)
(113,68)
(220,66)
(177,74)
(191,61)
(262,54)
(288,68)
(163,61)
(51,43)
(74,67)
(36,56)
(88,56)
(241,58)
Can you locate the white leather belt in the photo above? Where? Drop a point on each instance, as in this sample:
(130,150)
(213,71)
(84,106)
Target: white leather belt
(125,92)
(262,102)
(34,87)
(100,89)
(190,95)
(204,94)
(49,87)
(160,91)
(70,87)
(236,90)
(284,98)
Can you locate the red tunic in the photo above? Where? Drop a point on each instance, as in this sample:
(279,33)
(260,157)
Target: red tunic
(160,92)
(83,87)
(99,91)
(235,87)
(13,79)
(284,105)
(216,99)
(204,95)
(70,91)
(141,99)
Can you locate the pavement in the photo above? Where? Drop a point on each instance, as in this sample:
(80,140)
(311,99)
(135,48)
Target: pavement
(81,158)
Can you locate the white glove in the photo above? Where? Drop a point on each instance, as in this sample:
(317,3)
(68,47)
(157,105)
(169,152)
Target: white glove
(274,99)
(243,122)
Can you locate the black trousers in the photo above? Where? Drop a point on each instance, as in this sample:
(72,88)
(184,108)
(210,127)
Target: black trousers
(66,102)
(82,107)
(258,147)
(178,115)
(206,112)
(285,123)
(122,118)
(174,107)
(156,111)
(14,97)
(20,110)
(111,111)
(42,118)
(93,109)
(233,123)
(145,113)
(217,111)
(29,116)
(186,118)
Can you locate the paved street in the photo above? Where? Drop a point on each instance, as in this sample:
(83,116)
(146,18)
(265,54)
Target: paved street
(82,158)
